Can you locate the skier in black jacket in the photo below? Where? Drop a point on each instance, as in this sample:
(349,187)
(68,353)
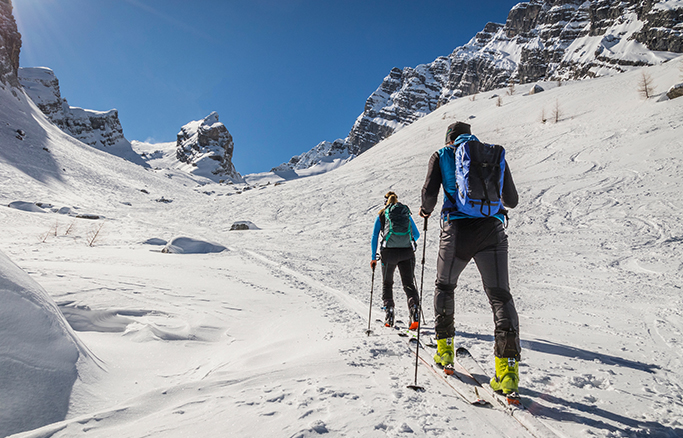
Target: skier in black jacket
(464,238)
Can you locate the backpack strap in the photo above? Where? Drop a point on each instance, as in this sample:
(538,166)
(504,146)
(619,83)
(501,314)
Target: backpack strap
(450,198)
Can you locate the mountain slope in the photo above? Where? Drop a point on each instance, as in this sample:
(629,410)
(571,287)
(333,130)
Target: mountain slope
(99,129)
(542,40)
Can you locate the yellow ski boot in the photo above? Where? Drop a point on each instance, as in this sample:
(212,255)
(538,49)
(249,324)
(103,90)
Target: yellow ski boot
(444,352)
(507,375)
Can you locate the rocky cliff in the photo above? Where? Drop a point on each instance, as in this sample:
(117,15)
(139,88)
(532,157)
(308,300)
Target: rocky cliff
(206,147)
(99,129)
(10,45)
(541,40)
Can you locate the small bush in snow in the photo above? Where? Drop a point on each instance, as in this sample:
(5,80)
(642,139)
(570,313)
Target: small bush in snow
(645,86)
(94,234)
(70,228)
(557,112)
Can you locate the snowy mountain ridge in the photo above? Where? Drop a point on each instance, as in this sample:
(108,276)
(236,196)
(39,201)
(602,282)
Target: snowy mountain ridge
(335,153)
(542,40)
(99,129)
(203,148)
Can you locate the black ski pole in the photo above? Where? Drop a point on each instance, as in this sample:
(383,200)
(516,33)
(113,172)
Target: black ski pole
(372,287)
(415,386)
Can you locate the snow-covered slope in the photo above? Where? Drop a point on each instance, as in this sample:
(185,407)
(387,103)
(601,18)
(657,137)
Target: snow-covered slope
(267,338)
(38,353)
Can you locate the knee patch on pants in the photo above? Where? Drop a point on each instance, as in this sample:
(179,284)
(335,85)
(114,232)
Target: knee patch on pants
(498,296)
(444,300)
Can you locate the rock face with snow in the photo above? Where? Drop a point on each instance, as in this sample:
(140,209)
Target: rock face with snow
(675,91)
(207,146)
(324,152)
(541,40)
(10,45)
(99,129)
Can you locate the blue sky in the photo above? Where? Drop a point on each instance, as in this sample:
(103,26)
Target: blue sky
(283,75)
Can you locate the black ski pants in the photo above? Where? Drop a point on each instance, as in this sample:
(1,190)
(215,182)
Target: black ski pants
(485,241)
(404,259)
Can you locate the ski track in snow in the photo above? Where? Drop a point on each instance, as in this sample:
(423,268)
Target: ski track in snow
(268,337)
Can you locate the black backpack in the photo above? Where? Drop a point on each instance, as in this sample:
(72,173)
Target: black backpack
(396,227)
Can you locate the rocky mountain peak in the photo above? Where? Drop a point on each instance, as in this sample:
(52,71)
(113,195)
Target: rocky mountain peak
(207,146)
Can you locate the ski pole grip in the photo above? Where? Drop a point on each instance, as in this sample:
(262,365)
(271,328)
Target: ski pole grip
(426,219)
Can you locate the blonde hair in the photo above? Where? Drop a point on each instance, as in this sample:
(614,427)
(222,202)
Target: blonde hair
(390,198)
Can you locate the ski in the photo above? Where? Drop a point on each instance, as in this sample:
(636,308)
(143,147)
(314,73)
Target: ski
(468,392)
(518,410)
(424,333)
(464,358)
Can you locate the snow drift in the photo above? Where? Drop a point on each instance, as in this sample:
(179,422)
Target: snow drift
(38,353)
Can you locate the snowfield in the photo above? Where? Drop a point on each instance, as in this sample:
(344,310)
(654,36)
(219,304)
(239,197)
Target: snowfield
(261,332)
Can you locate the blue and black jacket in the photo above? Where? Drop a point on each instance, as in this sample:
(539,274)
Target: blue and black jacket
(441,172)
(379,226)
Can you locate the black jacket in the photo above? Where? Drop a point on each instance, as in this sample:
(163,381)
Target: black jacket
(432,185)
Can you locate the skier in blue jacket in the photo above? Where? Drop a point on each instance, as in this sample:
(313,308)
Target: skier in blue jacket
(399,234)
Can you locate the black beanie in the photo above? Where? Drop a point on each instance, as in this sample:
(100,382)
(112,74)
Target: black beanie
(456,129)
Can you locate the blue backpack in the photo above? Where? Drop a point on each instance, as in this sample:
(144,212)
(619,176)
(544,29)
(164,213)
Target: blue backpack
(479,171)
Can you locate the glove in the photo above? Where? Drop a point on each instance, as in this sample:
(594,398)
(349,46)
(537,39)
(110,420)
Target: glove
(423,214)
(373,264)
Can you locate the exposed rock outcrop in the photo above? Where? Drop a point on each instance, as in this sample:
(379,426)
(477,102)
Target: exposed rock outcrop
(675,91)
(99,129)
(541,40)
(536,89)
(207,146)
(10,45)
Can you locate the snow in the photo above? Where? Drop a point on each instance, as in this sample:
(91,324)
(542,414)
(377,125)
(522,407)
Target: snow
(267,338)
(668,5)
(188,245)
(617,44)
(26,206)
(34,80)
(38,353)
